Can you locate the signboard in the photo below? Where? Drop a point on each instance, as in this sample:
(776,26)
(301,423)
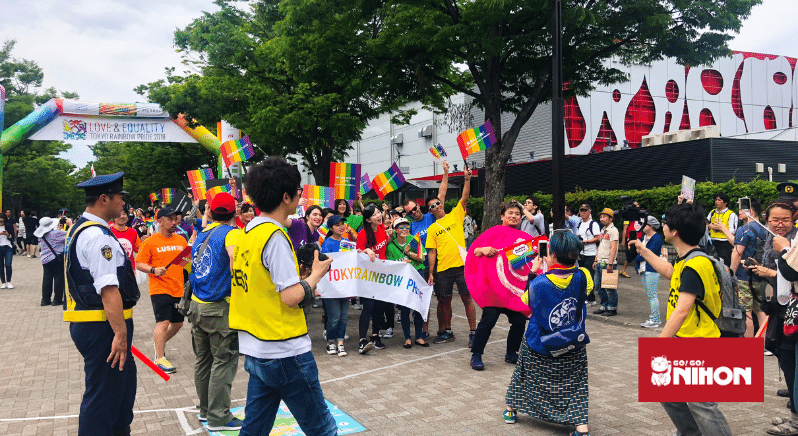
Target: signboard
(79,128)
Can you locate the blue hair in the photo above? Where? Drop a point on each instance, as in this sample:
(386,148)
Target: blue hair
(566,246)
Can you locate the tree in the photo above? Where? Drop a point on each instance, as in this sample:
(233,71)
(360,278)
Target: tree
(255,74)
(499,52)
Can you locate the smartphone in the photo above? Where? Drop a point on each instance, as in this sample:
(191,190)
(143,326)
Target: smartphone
(745,203)
(543,248)
(750,262)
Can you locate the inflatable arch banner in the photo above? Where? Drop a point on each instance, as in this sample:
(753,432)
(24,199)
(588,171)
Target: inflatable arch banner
(65,120)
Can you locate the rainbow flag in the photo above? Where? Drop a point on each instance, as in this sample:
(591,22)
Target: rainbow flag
(320,195)
(347,245)
(168,195)
(236,150)
(474,140)
(210,193)
(365,184)
(154,198)
(521,253)
(438,152)
(323,231)
(388,181)
(197,178)
(344,179)
(415,244)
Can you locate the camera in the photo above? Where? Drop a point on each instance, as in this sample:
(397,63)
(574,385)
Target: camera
(630,211)
(305,254)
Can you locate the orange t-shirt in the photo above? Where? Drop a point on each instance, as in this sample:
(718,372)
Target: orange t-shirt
(158,251)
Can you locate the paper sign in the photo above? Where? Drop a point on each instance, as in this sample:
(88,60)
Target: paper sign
(688,188)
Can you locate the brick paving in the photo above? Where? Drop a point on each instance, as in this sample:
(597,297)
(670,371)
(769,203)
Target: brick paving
(421,391)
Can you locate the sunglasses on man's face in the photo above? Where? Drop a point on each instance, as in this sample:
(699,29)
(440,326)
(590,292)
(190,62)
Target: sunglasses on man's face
(414,209)
(434,205)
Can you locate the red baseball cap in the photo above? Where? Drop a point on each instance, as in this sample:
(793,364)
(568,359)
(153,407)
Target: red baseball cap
(223,203)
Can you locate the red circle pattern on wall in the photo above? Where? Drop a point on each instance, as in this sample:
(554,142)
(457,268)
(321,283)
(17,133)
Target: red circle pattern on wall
(672,91)
(616,96)
(712,81)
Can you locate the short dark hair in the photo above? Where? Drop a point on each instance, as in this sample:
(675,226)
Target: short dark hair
(222,217)
(270,180)
(535,200)
(245,208)
(569,208)
(310,210)
(756,207)
(688,220)
(723,197)
(430,198)
(510,204)
(406,201)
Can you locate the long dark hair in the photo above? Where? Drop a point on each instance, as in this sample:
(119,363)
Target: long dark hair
(368,213)
(348,208)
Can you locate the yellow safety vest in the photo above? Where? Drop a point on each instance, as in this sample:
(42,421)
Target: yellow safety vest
(255,304)
(698,324)
(722,218)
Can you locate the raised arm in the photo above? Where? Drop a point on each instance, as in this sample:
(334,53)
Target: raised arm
(466,187)
(444,183)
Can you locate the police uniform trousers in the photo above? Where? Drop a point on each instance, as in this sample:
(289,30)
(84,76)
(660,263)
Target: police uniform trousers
(107,406)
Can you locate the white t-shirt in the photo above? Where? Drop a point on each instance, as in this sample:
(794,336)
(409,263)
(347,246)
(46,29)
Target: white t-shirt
(589,232)
(276,258)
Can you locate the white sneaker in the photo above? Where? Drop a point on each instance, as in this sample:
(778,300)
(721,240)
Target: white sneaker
(324,334)
(3,286)
(341,351)
(9,285)
(768,353)
(591,303)
(388,333)
(346,337)
(331,349)
(650,324)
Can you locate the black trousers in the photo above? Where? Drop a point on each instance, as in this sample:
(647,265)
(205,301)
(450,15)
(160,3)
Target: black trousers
(107,406)
(369,313)
(724,250)
(386,312)
(787,364)
(489,317)
(53,281)
(587,262)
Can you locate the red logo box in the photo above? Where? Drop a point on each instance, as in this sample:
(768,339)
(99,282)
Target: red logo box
(701,369)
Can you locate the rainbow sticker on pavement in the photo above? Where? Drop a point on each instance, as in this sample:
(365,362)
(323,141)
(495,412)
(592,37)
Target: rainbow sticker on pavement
(286,425)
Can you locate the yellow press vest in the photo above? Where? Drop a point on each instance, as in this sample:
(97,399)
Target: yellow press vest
(719,217)
(255,304)
(698,324)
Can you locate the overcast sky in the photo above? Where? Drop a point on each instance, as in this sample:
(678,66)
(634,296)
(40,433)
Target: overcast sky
(102,49)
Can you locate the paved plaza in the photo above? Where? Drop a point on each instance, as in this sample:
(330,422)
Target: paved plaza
(421,391)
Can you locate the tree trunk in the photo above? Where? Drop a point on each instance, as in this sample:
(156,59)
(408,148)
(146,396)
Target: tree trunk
(495,168)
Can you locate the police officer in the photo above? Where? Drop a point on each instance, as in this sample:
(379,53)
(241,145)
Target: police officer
(101,292)
(788,193)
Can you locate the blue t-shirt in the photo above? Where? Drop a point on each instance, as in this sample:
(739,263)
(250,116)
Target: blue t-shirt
(330,245)
(749,236)
(421,226)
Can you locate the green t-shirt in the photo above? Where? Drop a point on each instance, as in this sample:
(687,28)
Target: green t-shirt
(396,251)
(355,222)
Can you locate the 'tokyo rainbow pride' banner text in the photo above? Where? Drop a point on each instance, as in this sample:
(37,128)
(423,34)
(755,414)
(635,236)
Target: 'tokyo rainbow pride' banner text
(196,179)
(474,140)
(345,179)
(388,181)
(236,150)
(320,195)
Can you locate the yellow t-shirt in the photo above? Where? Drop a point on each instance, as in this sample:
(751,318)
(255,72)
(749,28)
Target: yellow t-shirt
(446,236)
(698,324)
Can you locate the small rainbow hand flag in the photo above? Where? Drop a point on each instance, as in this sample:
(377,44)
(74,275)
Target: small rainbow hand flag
(347,245)
(474,140)
(323,231)
(197,178)
(415,244)
(216,190)
(438,152)
(345,179)
(236,150)
(365,184)
(521,253)
(168,195)
(154,198)
(388,181)
(320,195)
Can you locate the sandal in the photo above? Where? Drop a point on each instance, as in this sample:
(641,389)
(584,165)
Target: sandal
(422,344)
(408,344)
(786,429)
(780,421)
(623,274)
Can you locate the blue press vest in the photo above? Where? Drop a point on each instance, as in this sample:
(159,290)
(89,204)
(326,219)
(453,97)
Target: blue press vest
(210,276)
(81,294)
(553,304)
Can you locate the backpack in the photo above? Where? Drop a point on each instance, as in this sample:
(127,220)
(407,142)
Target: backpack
(590,229)
(731,321)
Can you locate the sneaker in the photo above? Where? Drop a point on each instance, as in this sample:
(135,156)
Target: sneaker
(471,339)
(365,346)
(378,344)
(341,351)
(9,285)
(443,337)
(388,333)
(509,416)
(331,349)
(3,286)
(324,334)
(650,324)
(165,365)
(511,358)
(610,313)
(768,353)
(599,311)
(476,362)
(203,418)
(33,257)
(346,337)
(233,425)
(591,303)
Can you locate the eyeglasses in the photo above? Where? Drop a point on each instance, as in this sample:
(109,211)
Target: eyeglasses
(434,205)
(528,202)
(784,222)
(402,227)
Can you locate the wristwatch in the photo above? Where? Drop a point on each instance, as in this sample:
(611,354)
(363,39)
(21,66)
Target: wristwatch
(152,270)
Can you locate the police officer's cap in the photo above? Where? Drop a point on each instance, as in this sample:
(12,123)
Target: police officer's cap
(788,189)
(105,184)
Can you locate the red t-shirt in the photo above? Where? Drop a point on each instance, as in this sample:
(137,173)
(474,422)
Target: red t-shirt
(129,240)
(382,241)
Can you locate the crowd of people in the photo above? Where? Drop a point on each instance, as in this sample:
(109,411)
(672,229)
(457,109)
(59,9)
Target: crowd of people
(264,245)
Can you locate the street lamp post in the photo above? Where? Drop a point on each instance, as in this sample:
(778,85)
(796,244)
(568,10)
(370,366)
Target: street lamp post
(557,119)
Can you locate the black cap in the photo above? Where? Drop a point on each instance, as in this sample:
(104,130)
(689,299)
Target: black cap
(788,189)
(335,219)
(105,184)
(166,211)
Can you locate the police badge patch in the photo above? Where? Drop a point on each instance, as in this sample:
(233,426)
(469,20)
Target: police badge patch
(106,251)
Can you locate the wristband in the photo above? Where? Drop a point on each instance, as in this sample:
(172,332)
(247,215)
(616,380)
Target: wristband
(152,270)
(308,294)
